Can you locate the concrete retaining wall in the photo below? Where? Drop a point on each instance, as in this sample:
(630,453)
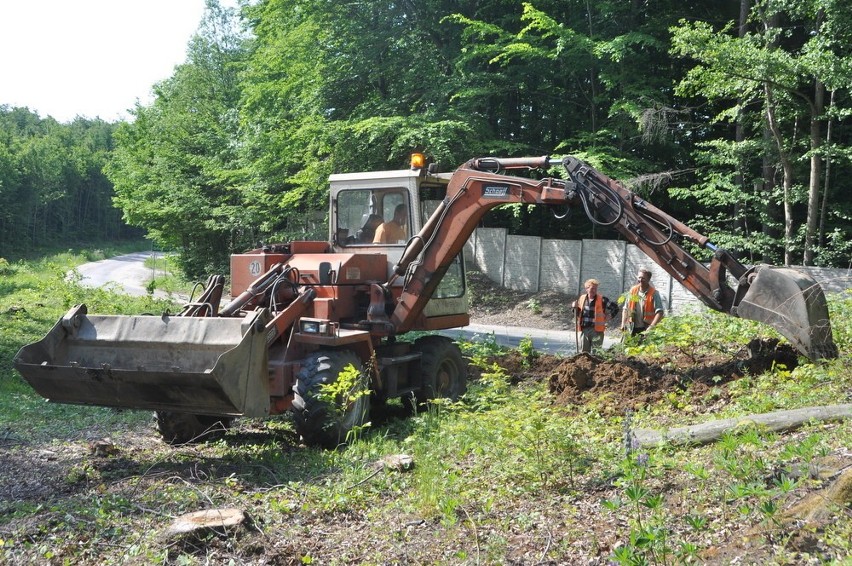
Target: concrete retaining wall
(532,264)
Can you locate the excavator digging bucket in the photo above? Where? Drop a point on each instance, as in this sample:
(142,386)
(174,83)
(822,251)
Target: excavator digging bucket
(793,303)
(199,365)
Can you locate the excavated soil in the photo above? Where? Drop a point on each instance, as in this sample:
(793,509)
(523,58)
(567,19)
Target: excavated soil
(622,384)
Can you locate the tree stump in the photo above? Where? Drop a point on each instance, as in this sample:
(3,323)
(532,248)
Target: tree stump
(213,519)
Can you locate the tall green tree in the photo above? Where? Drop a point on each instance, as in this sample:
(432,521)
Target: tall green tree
(239,142)
(780,68)
(176,168)
(52,187)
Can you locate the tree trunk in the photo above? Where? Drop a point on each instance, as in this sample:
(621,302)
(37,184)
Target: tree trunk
(713,430)
(778,212)
(787,167)
(774,215)
(826,180)
(593,110)
(816,171)
(740,223)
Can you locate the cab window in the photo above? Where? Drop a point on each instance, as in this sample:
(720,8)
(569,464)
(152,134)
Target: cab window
(452,284)
(361,213)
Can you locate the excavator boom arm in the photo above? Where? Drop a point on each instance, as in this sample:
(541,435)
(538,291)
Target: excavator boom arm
(656,233)
(786,299)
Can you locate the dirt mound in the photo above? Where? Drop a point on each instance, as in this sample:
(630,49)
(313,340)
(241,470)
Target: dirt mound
(626,384)
(621,384)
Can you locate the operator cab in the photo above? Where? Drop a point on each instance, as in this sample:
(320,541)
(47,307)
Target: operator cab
(379,211)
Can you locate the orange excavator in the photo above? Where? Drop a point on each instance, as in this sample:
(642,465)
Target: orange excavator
(319,328)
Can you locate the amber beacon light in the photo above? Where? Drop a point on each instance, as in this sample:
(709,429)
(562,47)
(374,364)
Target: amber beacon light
(418,160)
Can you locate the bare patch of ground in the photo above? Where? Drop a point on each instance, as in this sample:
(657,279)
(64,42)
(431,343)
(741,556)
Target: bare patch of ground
(631,383)
(498,306)
(628,384)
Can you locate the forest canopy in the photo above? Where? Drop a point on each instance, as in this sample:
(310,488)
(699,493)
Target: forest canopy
(732,116)
(52,185)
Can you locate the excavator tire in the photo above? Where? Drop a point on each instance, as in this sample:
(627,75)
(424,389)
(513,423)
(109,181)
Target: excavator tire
(316,422)
(186,428)
(443,370)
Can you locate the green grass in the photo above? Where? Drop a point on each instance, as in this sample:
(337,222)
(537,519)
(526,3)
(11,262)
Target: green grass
(83,252)
(504,475)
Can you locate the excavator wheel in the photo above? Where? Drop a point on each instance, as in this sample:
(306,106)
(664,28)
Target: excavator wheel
(316,421)
(185,428)
(443,370)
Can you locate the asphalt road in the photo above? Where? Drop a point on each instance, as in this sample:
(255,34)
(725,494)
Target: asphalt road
(128,273)
(125,272)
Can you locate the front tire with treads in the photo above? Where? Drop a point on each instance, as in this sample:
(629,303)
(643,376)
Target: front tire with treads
(318,422)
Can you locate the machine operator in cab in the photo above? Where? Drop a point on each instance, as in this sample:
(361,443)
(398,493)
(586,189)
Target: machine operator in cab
(393,231)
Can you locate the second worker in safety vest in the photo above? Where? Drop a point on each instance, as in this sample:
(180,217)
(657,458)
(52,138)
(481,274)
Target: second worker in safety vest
(592,311)
(644,307)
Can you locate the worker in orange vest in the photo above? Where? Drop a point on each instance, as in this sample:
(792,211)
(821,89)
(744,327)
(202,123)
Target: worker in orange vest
(592,311)
(644,306)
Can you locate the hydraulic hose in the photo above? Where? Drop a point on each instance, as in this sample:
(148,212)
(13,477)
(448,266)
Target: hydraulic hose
(664,225)
(612,200)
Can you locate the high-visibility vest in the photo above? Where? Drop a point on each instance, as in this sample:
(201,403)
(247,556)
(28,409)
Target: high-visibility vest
(600,318)
(648,310)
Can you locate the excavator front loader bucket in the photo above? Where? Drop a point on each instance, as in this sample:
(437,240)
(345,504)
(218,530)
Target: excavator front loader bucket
(200,365)
(793,303)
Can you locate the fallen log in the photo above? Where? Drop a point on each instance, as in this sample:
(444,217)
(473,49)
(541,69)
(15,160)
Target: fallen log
(713,430)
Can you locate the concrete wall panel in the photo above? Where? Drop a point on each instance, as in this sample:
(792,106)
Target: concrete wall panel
(530,264)
(523,255)
(560,265)
(602,260)
(489,253)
